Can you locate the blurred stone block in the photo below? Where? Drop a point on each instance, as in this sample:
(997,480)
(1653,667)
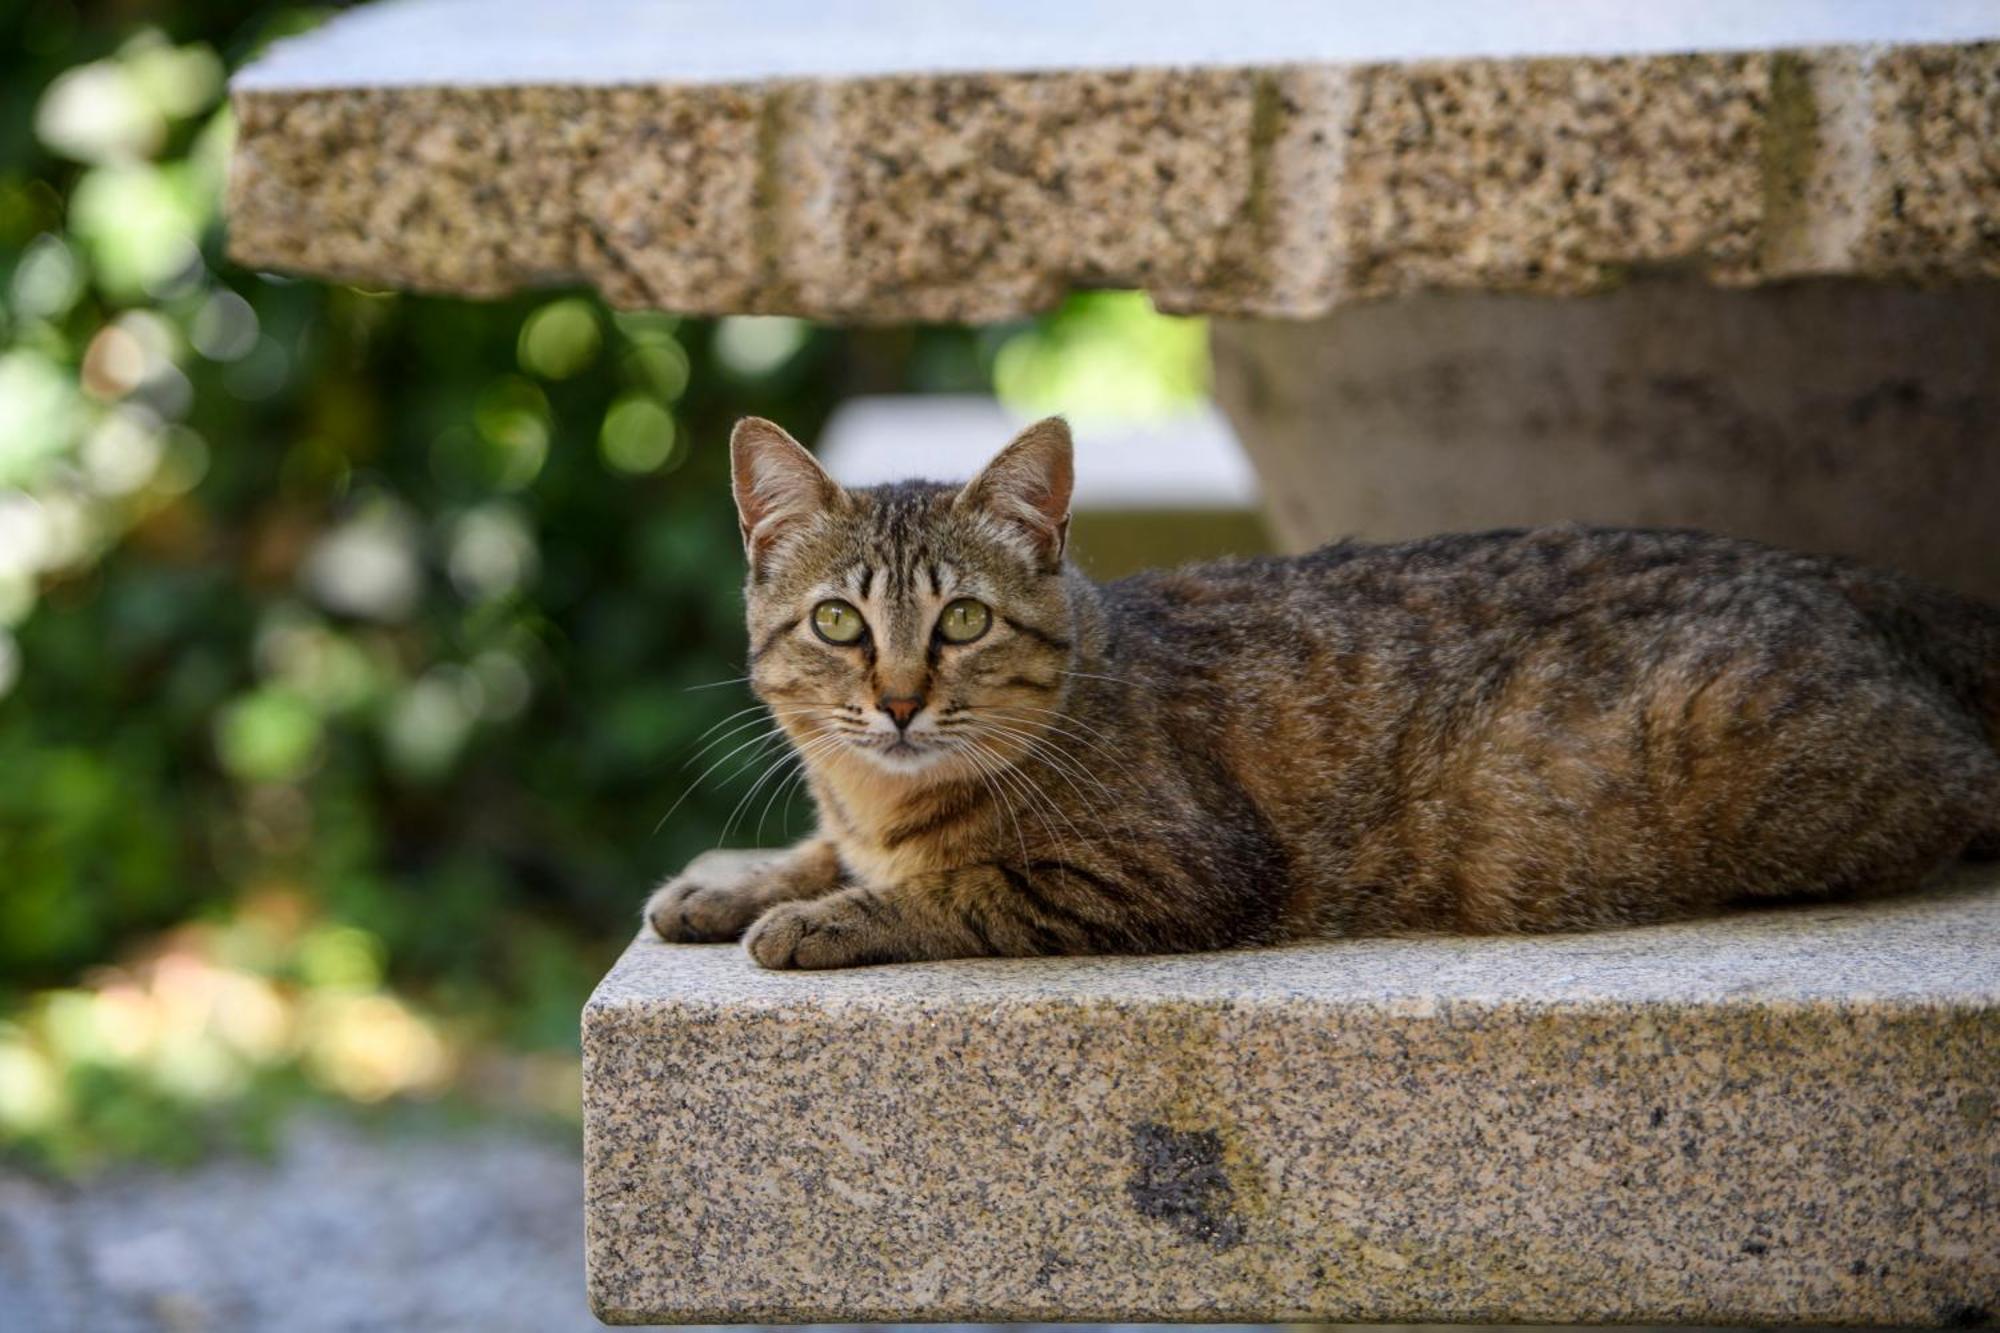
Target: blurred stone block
(1779,1117)
(1147,493)
(1837,416)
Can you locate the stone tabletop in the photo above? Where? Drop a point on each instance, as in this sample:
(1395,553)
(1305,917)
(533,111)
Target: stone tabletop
(899,160)
(1782,1116)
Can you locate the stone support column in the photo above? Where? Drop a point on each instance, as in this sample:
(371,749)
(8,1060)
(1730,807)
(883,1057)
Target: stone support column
(1831,415)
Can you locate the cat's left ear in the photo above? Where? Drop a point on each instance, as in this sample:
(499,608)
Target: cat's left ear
(1027,488)
(778,487)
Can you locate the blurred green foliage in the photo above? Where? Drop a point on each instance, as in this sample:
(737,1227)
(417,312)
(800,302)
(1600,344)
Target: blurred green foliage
(404,610)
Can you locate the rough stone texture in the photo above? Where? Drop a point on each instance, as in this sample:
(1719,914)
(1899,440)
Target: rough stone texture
(1840,416)
(1777,1118)
(1263,187)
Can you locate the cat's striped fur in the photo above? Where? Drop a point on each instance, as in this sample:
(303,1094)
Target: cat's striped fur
(1514,731)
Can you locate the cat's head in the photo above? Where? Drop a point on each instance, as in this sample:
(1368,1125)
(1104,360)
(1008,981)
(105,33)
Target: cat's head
(917,628)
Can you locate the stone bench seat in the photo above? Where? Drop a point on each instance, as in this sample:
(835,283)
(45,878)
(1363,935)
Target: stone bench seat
(1784,1116)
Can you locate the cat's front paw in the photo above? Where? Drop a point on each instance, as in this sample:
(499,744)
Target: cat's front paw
(774,940)
(700,908)
(827,933)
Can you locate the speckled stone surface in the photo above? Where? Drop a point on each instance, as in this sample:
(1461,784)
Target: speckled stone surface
(1221,176)
(1780,1117)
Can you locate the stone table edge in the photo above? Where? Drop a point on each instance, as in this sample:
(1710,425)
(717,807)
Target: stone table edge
(1769,165)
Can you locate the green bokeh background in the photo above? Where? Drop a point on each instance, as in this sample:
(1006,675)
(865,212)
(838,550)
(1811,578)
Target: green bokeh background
(357,626)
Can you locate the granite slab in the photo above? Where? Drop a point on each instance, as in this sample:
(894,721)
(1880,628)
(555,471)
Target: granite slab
(1779,1117)
(897,160)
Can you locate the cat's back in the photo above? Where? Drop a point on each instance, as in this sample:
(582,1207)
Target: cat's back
(1595,588)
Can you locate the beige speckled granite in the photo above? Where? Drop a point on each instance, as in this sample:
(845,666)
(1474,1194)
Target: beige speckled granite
(1261,189)
(1779,1117)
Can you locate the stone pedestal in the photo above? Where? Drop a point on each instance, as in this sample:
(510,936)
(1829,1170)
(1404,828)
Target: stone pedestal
(1834,415)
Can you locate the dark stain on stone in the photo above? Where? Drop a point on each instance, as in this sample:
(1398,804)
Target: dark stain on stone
(1964,1316)
(1177,1178)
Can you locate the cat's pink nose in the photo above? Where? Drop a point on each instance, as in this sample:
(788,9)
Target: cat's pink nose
(901,707)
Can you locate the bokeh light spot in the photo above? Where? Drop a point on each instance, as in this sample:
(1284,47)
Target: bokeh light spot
(560,339)
(48,279)
(492,552)
(368,565)
(341,958)
(225,328)
(513,419)
(638,435)
(754,346)
(270,735)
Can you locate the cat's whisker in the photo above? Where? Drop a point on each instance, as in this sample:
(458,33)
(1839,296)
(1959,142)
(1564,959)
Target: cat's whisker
(777,765)
(1036,801)
(738,713)
(1011,707)
(764,738)
(1037,730)
(1058,713)
(717,684)
(1060,727)
(971,751)
(790,766)
(1068,725)
(1095,675)
(740,727)
(760,704)
(990,767)
(1063,771)
(795,779)
(788,784)
(1041,749)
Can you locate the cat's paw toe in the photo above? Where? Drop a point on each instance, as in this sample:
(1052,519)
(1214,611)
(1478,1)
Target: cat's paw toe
(774,940)
(689,911)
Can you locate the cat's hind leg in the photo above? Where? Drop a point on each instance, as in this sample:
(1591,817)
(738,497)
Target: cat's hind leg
(707,907)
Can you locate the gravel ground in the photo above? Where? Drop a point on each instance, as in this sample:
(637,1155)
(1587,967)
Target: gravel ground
(346,1229)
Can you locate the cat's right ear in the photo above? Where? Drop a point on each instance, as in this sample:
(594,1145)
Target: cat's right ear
(777,486)
(1027,488)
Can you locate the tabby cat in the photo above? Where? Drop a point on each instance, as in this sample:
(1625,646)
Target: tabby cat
(1514,731)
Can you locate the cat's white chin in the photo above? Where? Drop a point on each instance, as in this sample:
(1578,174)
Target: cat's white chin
(903,756)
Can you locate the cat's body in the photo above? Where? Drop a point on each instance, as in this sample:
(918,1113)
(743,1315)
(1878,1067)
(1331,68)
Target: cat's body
(1515,731)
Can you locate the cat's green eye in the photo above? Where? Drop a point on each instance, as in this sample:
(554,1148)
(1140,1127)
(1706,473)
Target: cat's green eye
(964,620)
(837,622)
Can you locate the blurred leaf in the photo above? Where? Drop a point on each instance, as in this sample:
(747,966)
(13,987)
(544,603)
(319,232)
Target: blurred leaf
(1105,355)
